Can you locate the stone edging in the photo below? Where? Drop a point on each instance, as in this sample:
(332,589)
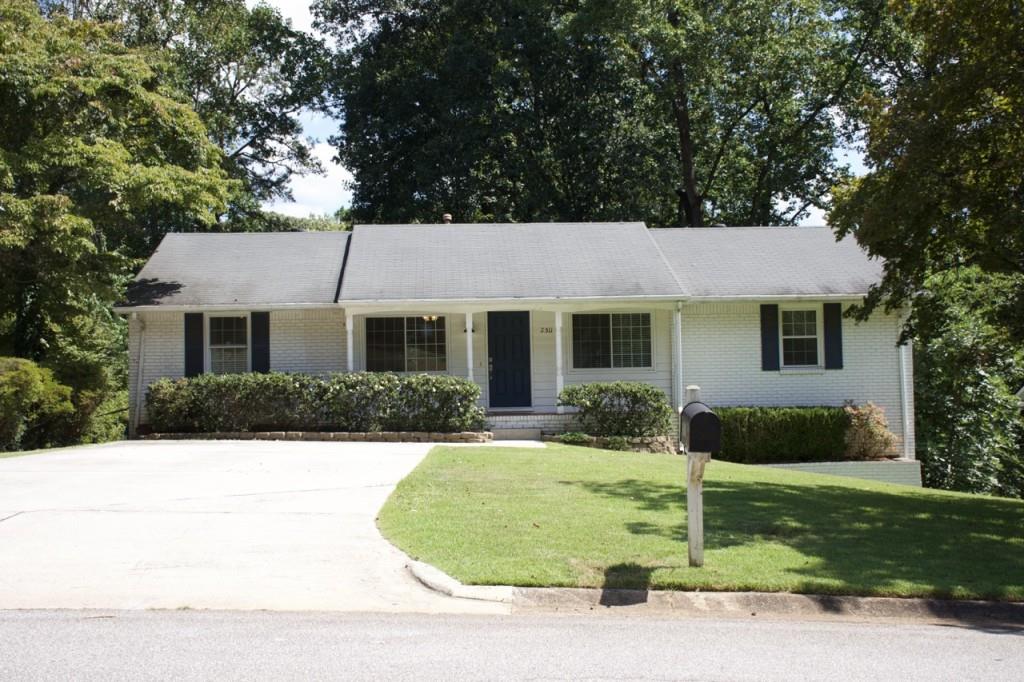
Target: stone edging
(664,444)
(338,436)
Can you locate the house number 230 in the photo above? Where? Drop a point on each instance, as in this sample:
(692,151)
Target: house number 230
(547,330)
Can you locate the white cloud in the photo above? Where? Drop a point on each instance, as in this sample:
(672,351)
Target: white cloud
(317,194)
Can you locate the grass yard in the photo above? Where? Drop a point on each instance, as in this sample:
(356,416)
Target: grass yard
(572,516)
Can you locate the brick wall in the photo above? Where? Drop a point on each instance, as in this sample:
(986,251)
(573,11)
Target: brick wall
(721,354)
(310,341)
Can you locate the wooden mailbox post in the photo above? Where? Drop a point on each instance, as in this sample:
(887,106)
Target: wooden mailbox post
(700,434)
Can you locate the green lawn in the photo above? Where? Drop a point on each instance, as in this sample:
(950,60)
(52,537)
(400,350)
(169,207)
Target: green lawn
(570,516)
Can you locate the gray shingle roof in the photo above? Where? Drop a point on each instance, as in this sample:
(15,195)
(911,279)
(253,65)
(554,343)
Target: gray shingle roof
(506,261)
(500,261)
(266,268)
(766,261)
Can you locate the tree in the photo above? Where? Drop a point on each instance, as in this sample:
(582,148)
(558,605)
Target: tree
(492,112)
(673,112)
(247,73)
(95,160)
(946,152)
(967,370)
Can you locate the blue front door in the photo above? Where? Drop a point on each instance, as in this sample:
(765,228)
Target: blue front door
(508,351)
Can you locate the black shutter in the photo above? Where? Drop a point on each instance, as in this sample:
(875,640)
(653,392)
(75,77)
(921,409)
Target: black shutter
(260,342)
(833,336)
(193,344)
(769,338)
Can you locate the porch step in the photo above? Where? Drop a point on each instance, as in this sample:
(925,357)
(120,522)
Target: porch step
(516,434)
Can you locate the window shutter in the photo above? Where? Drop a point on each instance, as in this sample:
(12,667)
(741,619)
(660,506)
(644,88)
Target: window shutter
(260,342)
(193,344)
(833,335)
(769,338)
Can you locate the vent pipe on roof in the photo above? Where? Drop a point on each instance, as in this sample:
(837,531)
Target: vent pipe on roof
(446,218)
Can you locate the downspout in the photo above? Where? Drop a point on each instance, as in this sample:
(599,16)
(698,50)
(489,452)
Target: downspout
(138,375)
(904,402)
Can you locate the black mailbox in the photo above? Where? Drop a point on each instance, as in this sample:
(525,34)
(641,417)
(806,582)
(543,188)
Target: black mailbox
(699,429)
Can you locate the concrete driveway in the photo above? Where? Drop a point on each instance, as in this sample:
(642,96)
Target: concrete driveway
(208,525)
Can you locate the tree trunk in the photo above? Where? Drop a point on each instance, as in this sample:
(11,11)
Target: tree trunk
(691,211)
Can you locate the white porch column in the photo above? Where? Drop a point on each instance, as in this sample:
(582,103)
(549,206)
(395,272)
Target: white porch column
(350,350)
(559,373)
(677,356)
(469,346)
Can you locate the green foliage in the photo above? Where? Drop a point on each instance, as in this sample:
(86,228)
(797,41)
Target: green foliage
(674,113)
(33,405)
(97,161)
(762,435)
(967,368)
(366,401)
(616,443)
(946,154)
(620,408)
(575,438)
(244,70)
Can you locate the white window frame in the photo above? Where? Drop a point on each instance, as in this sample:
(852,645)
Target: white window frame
(405,343)
(208,351)
(573,369)
(819,327)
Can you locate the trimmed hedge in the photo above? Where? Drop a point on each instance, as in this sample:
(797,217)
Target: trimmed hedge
(619,408)
(364,401)
(766,435)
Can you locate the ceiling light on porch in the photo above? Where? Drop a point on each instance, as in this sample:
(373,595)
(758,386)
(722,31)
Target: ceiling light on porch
(430,318)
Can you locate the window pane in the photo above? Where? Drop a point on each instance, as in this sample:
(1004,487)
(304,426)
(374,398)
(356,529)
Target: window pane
(385,344)
(227,331)
(800,351)
(799,323)
(228,360)
(631,340)
(425,347)
(591,341)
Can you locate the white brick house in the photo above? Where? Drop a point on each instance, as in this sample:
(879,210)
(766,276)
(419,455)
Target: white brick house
(751,315)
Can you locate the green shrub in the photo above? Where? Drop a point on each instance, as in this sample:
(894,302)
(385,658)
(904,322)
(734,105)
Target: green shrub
(615,443)
(760,435)
(299,402)
(436,402)
(620,408)
(33,405)
(575,438)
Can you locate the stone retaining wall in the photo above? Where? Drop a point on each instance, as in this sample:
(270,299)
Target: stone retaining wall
(664,444)
(342,436)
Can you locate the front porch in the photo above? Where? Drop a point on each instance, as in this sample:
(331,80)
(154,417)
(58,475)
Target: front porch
(522,355)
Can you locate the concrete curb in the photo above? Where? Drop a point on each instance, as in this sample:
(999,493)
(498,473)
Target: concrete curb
(439,581)
(723,604)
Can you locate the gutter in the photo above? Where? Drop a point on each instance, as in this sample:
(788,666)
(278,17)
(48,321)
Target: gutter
(172,308)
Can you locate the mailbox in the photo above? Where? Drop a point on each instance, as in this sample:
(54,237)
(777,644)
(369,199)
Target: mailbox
(699,429)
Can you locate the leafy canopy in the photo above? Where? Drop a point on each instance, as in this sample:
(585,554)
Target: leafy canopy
(672,112)
(945,142)
(97,161)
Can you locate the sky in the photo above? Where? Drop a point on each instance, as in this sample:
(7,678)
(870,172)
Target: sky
(325,194)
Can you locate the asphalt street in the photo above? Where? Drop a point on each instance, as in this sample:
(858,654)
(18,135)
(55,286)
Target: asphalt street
(222,645)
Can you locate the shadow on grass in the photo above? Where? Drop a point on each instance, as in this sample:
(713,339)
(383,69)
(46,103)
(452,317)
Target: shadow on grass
(871,542)
(626,584)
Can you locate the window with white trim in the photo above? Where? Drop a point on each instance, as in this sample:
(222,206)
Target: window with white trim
(800,338)
(229,344)
(611,340)
(406,344)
